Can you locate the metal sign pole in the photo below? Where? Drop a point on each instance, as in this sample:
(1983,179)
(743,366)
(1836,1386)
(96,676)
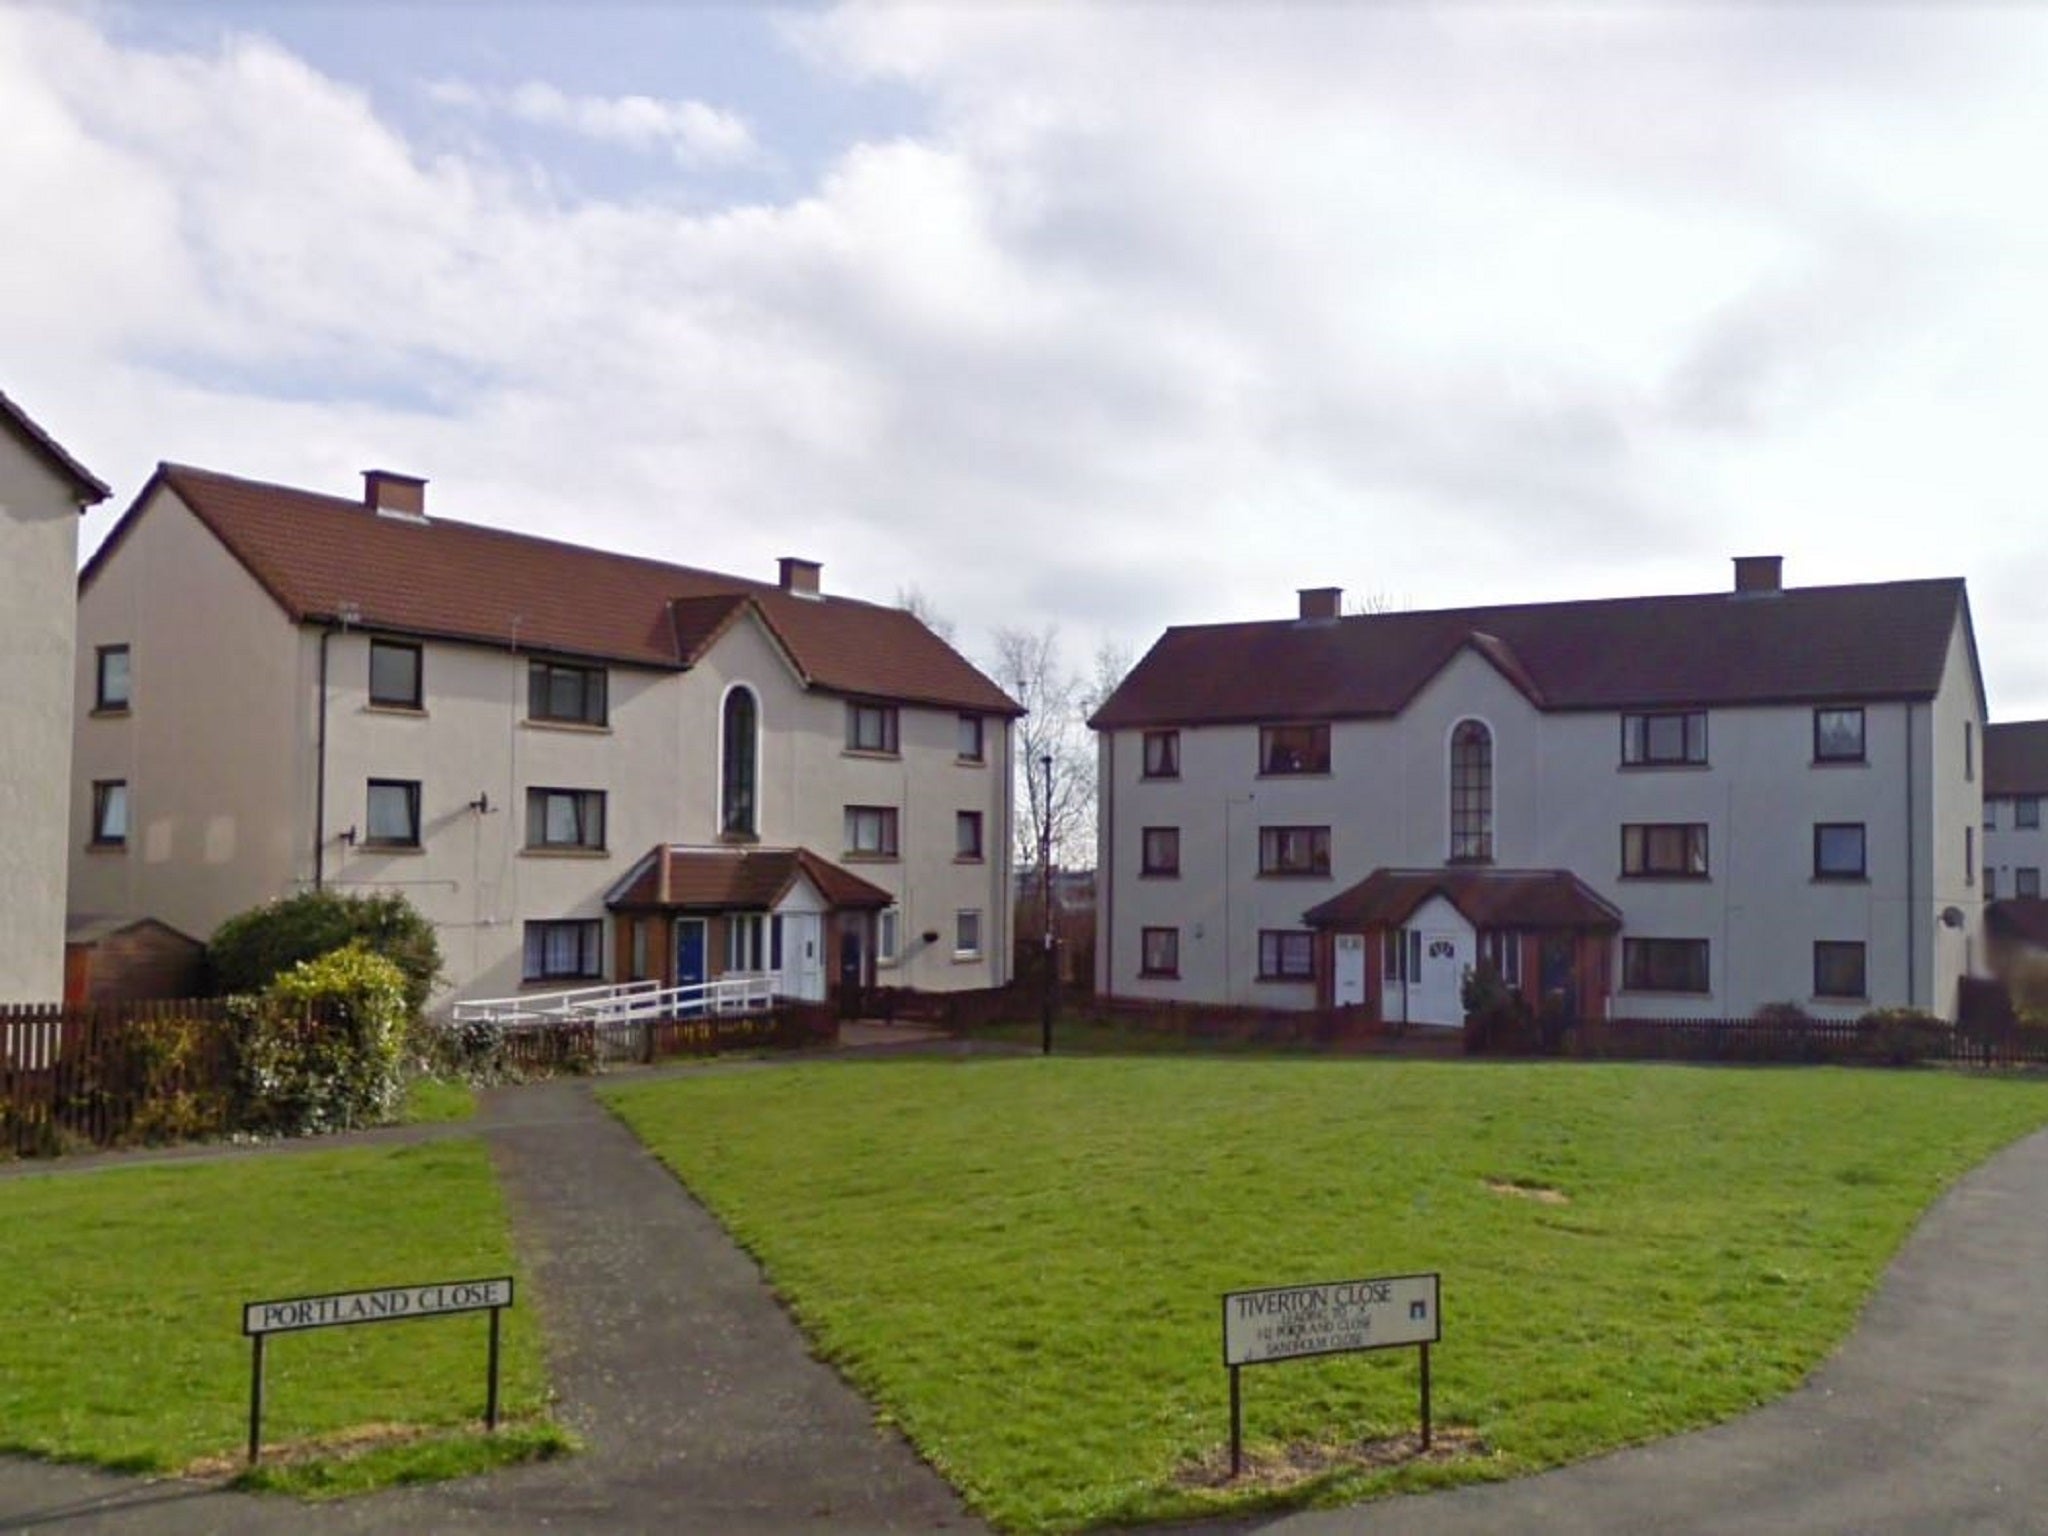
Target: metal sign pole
(256,1399)
(491,1401)
(1425,1397)
(1236,1428)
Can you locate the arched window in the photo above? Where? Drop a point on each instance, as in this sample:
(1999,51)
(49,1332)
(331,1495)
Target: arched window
(1471,794)
(737,797)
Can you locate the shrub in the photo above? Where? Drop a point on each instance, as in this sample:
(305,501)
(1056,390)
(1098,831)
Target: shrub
(252,949)
(324,1047)
(1905,1036)
(173,1063)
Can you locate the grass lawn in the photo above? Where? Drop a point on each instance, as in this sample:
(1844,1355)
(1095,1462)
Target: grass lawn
(1020,1260)
(120,1318)
(436,1100)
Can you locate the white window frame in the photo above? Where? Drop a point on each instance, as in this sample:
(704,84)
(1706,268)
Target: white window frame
(961,919)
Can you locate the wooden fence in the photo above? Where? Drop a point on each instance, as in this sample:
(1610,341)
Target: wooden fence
(114,1073)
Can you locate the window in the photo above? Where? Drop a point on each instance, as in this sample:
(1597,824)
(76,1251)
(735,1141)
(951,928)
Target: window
(395,675)
(2026,881)
(1664,965)
(971,747)
(966,934)
(109,812)
(887,927)
(2026,812)
(1990,815)
(563,691)
(737,760)
(1401,960)
(1294,850)
(110,678)
(1159,952)
(1160,853)
(1294,749)
(871,728)
(967,834)
(394,814)
(1664,740)
(1970,751)
(1668,850)
(871,829)
(1162,754)
(1838,735)
(565,818)
(1837,969)
(1838,850)
(565,951)
(1471,794)
(1502,949)
(1286,954)
(641,929)
(1969,855)
(744,935)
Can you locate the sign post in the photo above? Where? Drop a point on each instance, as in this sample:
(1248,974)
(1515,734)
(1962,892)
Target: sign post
(394,1304)
(1290,1322)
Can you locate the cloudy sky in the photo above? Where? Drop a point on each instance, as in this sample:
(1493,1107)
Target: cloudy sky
(1111,317)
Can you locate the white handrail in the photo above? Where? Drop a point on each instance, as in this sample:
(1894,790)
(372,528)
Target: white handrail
(545,1004)
(625,1003)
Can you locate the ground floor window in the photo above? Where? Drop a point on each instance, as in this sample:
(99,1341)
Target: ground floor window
(1401,957)
(1286,955)
(2026,882)
(1502,948)
(1664,965)
(743,941)
(565,951)
(967,934)
(887,926)
(1838,969)
(1159,952)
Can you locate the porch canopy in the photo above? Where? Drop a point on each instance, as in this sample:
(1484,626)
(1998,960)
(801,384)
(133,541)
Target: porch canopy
(738,880)
(1485,898)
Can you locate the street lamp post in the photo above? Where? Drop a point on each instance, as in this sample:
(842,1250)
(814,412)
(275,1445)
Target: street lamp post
(1051,980)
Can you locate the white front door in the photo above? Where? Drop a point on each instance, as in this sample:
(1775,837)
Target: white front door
(803,956)
(1434,995)
(1350,975)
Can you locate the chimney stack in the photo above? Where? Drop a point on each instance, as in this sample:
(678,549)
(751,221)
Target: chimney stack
(1759,573)
(394,495)
(800,577)
(1322,602)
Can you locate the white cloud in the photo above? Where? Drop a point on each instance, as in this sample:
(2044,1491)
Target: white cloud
(693,132)
(1168,312)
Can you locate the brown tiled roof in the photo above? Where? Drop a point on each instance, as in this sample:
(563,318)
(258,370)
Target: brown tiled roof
(90,488)
(737,879)
(1487,898)
(1883,641)
(2016,758)
(323,556)
(2018,919)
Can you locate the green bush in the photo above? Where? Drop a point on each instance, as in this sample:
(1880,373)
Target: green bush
(1906,1036)
(324,1047)
(253,948)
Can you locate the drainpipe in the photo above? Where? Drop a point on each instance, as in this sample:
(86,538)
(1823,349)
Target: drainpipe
(1912,915)
(1105,867)
(320,773)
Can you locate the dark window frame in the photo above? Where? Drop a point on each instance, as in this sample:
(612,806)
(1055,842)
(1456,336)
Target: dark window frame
(419,675)
(1636,744)
(1274,842)
(889,831)
(739,762)
(1167,758)
(962,951)
(1641,957)
(103,792)
(589,949)
(887,732)
(1159,869)
(593,707)
(1171,969)
(1282,756)
(411,788)
(588,826)
(1862,869)
(1825,950)
(2026,880)
(1471,792)
(1643,866)
(2026,813)
(977,725)
(975,853)
(1275,945)
(1862,752)
(102,704)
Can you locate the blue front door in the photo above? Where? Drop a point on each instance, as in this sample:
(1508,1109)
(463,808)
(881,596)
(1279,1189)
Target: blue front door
(690,957)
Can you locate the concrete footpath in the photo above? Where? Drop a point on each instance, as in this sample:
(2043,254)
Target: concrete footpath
(704,1411)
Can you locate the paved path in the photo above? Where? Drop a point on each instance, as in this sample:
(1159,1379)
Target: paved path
(704,1412)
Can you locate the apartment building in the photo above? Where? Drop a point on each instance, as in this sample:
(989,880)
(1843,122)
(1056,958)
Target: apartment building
(1655,807)
(581,766)
(42,492)
(2015,789)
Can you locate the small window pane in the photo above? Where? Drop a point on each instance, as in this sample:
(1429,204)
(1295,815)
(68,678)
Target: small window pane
(110,811)
(967,834)
(1838,969)
(885,938)
(967,933)
(970,738)
(1162,754)
(112,687)
(394,674)
(394,814)
(2026,881)
(1285,749)
(1838,851)
(1161,851)
(2026,812)
(1161,952)
(1838,735)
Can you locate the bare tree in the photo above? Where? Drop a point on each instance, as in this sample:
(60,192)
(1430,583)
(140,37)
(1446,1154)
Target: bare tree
(1029,666)
(1377,601)
(912,601)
